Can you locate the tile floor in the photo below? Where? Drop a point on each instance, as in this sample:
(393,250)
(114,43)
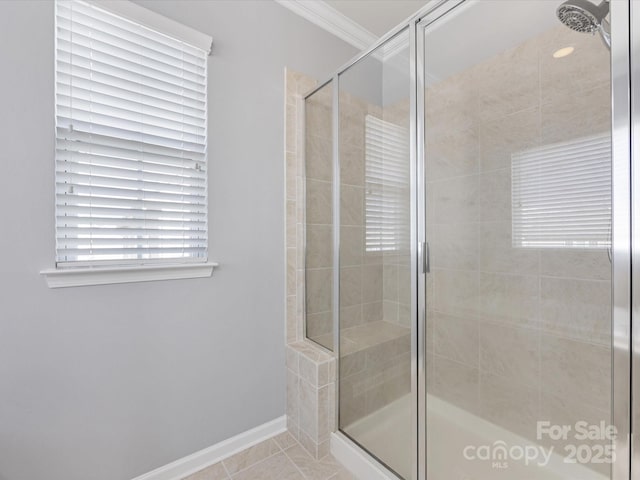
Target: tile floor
(278,458)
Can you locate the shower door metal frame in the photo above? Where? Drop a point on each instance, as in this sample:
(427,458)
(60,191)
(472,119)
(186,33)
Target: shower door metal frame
(633,82)
(623,232)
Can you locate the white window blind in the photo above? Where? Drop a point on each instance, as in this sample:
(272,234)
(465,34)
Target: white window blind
(131,142)
(561,195)
(386,185)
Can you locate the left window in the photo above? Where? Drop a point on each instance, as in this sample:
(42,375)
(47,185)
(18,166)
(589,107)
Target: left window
(131,138)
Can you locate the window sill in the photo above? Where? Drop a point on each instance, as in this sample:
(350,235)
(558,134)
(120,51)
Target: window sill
(60,278)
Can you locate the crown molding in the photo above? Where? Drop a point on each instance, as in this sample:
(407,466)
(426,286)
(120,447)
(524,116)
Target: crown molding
(325,16)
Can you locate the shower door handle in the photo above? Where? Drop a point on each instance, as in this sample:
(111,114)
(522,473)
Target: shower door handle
(424,252)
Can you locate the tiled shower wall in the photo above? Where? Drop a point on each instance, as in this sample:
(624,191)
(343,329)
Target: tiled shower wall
(318,216)
(310,370)
(515,334)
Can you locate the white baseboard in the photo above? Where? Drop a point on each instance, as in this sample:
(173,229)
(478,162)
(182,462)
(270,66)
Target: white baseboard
(197,461)
(357,461)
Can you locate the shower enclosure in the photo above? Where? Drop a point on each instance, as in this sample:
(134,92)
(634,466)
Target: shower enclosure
(468,228)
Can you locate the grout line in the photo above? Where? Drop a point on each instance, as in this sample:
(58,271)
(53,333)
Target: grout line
(224,467)
(294,463)
(268,440)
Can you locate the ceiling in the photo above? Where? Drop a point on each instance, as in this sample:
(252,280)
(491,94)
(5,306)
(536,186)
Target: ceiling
(377,16)
(472,32)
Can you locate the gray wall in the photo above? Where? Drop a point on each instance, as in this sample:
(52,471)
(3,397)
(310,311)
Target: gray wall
(109,382)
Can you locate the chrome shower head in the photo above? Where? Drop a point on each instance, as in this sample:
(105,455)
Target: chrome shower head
(585,17)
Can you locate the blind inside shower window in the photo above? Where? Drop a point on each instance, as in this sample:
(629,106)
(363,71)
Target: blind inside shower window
(386,186)
(561,195)
(131,142)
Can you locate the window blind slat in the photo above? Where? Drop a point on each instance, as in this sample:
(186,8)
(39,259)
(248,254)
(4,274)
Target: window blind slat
(131,142)
(94,52)
(83,67)
(561,195)
(189,169)
(125,134)
(100,223)
(98,211)
(77,140)
(65,200)
(158,107)
(91,79)
(92,114)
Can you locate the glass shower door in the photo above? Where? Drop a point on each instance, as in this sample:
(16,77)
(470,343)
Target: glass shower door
(376,317)
(518,220)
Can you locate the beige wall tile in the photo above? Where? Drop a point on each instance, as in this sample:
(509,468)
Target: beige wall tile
(351,316)
(495,196)
(293,402)
(318,290)
(351,126)
(454,245)
(351,205)
(508,82)
(351,245)
(456,383)
(318,118)
(455,292)
(497,253)
(575,263)
(456,200)
(456,338)
(309,409)
(453,101)
(390,282)
(308,371)
(291,359)
(291,175)
(292,319)
(352,164)
(579,115)
(502,137)
(319,157)
(350,286)
(291,133)
(319,205)
(318,324)
(509,298)
(371,283)
(512,353)
(291,271)
(452,149)
(513,406)
(577,371)
(319,248)
(372,312)
(579,309)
